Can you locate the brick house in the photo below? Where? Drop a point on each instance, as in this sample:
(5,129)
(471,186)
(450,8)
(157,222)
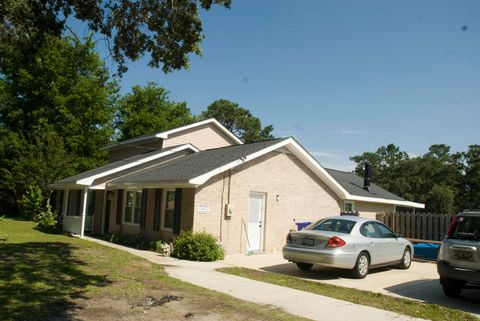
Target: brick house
(201,177)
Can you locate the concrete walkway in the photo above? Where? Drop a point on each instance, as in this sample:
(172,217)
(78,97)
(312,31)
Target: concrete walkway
(303,304)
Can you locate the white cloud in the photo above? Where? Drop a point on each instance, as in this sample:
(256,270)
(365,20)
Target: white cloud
(360,132)
(336,159)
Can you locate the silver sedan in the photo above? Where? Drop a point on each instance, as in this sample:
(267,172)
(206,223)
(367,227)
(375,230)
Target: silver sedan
(348,242)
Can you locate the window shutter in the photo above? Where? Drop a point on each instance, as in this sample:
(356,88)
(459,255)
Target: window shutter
(119,206)
(143,212)
(156,211)
(177,211)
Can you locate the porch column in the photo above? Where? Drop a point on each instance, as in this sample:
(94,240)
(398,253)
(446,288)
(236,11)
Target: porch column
(84,211)
(65,206)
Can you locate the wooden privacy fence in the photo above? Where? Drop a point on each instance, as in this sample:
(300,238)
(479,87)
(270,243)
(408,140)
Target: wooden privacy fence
(424,226)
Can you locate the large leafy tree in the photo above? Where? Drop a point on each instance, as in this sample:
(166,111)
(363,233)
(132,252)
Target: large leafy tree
(471,182)
(434,178)
(148,109)
(384,161)
(63,90)
(166,30)
(238,120)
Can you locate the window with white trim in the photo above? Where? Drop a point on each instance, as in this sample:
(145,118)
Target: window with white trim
(348,207)
(132,207)
(168,209)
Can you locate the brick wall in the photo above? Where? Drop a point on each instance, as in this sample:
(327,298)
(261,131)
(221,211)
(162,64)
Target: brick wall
(301,196)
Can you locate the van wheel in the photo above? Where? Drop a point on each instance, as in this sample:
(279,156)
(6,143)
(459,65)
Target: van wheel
(362,266)
(304,266)
(406,259)
(451,288)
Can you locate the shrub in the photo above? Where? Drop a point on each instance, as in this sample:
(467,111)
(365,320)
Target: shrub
(198,246)
(33,208)
(137,241)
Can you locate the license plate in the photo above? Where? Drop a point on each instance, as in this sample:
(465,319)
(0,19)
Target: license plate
(308,242)
(463,255)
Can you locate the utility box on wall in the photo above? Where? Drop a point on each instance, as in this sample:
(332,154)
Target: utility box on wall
(228,210)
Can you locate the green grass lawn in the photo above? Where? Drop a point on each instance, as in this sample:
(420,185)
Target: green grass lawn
(44,276)
(408,307)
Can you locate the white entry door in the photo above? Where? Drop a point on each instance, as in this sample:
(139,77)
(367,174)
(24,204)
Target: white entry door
(256,217)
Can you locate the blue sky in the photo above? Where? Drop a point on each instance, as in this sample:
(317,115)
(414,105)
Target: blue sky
(342,77)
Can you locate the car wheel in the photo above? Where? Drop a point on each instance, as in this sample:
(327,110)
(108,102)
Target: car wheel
(304,266)
(361,266)
(406,259)
(451,288)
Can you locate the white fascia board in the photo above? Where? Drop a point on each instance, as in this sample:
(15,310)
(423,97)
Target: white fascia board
(296,149)
(315,167)
(385,201)
(199,180)
(89,180)
(164,135)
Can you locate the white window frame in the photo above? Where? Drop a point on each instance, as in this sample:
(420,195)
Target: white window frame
(349,202)
(124,206)
(164,207)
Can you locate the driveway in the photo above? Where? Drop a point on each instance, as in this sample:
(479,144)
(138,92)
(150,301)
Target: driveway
(420,282)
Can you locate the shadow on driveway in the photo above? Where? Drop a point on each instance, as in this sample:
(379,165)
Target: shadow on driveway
(430,291)
(427,290)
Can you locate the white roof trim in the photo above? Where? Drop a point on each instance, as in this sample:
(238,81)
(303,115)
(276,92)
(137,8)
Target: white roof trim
(164,134)
(312,164)
(89,180)
(385,201)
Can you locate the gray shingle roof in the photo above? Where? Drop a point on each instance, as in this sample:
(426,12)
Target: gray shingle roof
(111,166)
(193,165)
(354,185)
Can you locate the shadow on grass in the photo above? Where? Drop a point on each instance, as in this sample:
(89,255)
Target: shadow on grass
(40,280)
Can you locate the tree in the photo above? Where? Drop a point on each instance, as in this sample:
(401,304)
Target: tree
(148,109)
(63,91)
(238,120)
(38,160)
(167,30)
(440,199)
(385,162)
(471,181)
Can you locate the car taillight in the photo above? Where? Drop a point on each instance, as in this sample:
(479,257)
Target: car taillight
(335,241)
(289,238)
(451,228)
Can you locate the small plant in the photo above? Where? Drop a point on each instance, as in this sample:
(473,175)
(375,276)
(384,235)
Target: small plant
(33,208)
(198,246)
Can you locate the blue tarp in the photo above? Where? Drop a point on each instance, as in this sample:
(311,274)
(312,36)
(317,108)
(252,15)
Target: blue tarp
(427,251)
(301,225)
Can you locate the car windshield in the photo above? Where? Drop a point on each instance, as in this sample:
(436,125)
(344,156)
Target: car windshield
(467,228)
(333,225)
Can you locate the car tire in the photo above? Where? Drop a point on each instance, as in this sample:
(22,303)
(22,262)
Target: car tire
(362,265)
(304,266)
(406,259)
(451,288)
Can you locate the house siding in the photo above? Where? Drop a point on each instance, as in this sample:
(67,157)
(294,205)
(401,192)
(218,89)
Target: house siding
(203,137)
(302,197)
(134,149)
(370,210)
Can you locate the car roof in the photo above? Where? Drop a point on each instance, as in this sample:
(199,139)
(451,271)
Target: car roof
(350,218)
(470,213)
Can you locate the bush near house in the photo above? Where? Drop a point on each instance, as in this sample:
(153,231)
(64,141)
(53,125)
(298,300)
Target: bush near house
(198,246)
(137,241)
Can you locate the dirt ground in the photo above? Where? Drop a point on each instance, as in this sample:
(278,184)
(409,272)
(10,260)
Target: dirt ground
(159,305)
